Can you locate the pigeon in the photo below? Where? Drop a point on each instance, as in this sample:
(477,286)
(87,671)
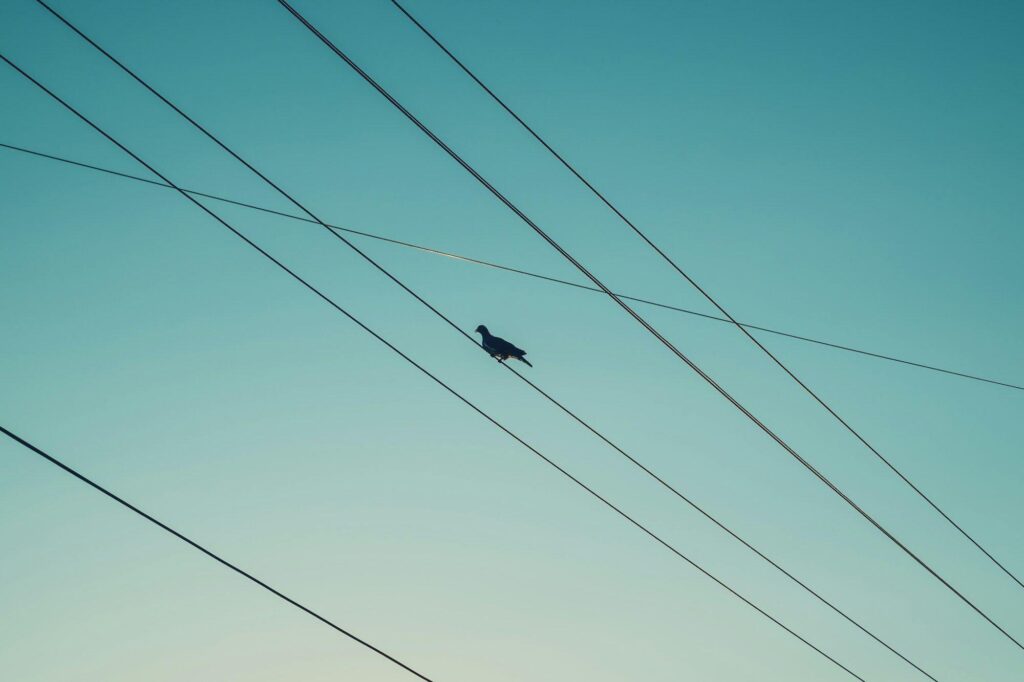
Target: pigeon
(500,349)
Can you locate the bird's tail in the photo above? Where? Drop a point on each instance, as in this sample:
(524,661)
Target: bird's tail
(524,360)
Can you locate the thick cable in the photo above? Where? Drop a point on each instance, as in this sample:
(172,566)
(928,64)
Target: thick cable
(742,327)
(639,318)
(208,552)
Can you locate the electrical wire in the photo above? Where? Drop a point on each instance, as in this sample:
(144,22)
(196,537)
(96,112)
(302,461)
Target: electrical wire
(542,392)
(448,321)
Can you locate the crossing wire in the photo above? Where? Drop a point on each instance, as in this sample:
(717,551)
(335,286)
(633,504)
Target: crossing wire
(432,376)
(448,321)
(507,268)
(743,328)
(639,318)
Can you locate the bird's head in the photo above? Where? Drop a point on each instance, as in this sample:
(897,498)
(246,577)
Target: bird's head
(482,330)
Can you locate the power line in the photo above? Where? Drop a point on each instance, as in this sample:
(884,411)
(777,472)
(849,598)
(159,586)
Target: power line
(635,315)
(210,553)
(422,369)
(447,320)
(438,313)
(742,327)
(506,268)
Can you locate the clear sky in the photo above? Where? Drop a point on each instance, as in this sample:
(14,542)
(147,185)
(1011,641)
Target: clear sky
(849,171)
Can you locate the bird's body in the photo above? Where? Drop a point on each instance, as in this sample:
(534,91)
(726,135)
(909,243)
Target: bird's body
(499,348)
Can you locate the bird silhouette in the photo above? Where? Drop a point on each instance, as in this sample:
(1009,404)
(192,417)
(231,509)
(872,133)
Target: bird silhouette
(499,348)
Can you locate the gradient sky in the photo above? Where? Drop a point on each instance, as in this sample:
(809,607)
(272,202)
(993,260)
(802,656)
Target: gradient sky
(849,171)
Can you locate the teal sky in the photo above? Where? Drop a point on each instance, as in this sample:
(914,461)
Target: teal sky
(848,171)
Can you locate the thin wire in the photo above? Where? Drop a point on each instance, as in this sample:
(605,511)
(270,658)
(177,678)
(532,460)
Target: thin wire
(635,315)
(446,319)
(506,268)
(743,328)
(425,371)
(210,553)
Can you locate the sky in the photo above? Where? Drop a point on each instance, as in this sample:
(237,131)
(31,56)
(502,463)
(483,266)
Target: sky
(846,171)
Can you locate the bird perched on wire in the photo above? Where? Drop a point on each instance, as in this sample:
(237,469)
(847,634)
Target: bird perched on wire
(500,348)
